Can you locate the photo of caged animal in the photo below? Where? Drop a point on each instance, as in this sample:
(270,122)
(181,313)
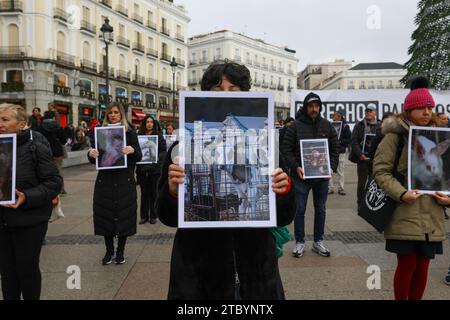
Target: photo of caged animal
(429,167)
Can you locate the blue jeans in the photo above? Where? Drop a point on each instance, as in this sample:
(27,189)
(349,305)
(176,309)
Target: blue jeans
(320,195)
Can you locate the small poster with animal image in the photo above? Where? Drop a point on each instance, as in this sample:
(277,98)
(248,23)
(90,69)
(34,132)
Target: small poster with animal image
(149,147)
(109,141)
(429,160)
(337,125)
(315,158)
(228,157)
(367,143)
(8,146)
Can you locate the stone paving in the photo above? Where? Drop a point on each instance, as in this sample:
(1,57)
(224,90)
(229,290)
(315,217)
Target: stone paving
(353,243)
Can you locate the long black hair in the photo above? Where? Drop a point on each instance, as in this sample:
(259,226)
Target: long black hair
(156,127)
(237,74)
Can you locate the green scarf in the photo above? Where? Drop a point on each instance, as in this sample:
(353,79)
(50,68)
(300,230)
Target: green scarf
(282,236)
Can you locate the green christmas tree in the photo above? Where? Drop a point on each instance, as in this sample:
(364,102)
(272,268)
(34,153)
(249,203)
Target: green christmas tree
(430,52)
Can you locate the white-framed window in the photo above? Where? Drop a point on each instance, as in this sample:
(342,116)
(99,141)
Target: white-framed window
(102,88)
(362,84)
(164,100)
(150,97)
(351,84)
(61,79)
(136,95)
(86,84)
(13,75)
(121,92)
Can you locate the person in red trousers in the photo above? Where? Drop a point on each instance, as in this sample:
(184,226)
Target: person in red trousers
(416,230)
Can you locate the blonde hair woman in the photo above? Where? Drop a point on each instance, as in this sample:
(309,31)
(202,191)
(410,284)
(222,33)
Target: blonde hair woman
(115,199)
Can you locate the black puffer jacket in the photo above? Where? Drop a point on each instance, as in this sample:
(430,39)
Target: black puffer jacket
(358,134)
(346,137)
(115,199)
(55,135)
(202,265)
(305,128)
(38,178)
(144,171)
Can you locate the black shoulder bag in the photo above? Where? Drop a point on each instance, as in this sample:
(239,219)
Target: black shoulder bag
(377,207)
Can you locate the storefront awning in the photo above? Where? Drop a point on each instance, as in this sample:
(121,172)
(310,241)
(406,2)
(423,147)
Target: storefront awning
(138,114)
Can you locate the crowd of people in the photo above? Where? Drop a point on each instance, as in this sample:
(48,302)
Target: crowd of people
(222,264)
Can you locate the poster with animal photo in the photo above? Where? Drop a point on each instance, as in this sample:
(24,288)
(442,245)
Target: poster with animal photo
(337,125)
(8,145)
(149,147)
(170,139)
(109,141)
(429,160)
(315,158)
(367,143)
(228,157)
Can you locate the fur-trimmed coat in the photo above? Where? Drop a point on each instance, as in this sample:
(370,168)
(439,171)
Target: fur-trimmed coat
(424,218)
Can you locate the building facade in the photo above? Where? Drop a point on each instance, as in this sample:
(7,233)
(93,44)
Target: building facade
(386,75)
(272,68)
(52,52)
(315,74)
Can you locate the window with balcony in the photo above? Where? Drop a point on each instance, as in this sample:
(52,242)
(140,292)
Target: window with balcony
(351,85)
(86,85)
(151,20)
(121,92)
(60,79)
(14,81)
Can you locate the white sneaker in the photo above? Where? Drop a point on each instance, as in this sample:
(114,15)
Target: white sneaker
(299,248)
(321,249)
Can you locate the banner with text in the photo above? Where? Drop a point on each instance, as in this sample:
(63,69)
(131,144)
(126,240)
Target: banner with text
(353,103)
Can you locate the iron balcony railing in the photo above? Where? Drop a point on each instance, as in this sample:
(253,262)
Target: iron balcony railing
(165,85)
(138,79)
(165,30)
(87,26)
(122,10)
(151,24)
(65,59)
(138,47)
(102,70)
(179,37)
(165,56)
(60,14)
(89,65)
(13,52)
(123,41)
(123,75)
(152,52)
(151,82)
(138,18)
(180,62)
(107,3)
(11,6)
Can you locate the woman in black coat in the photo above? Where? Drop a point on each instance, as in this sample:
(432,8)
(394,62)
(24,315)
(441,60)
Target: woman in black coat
(223,264)
(115,200)
(23,225)
(148,174)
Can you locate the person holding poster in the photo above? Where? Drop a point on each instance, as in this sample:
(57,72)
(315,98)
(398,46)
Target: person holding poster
(115,199)
(148,174)
(368,125)
(416,229)
(310,125)
(345,138)
(23,225)
(223,264)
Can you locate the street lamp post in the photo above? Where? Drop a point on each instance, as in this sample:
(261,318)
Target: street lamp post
(174,66)
(107,31)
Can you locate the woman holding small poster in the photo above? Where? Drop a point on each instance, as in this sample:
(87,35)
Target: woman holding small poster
(115,199)
(416,230)
(148,174)
(23,225)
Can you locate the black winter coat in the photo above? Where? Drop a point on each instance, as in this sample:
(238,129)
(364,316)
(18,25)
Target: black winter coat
(202,265)
(346,137)
(115,198)
(38,178)
(152,171)
(305,128)
(358,138)
(55,135)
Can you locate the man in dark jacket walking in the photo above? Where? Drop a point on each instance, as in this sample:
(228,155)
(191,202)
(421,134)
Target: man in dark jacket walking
(56,137)
(369,125)
(345,137)
(310,125)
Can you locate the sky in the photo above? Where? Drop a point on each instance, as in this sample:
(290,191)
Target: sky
(319,30)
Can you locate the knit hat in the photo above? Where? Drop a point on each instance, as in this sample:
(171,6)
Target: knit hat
(419,97)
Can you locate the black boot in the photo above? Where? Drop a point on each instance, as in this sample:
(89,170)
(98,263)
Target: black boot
(120,259)
(108,259)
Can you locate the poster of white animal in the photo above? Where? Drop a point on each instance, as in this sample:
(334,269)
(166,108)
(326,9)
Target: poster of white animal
(149,147)
(227,159)
(429,160)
